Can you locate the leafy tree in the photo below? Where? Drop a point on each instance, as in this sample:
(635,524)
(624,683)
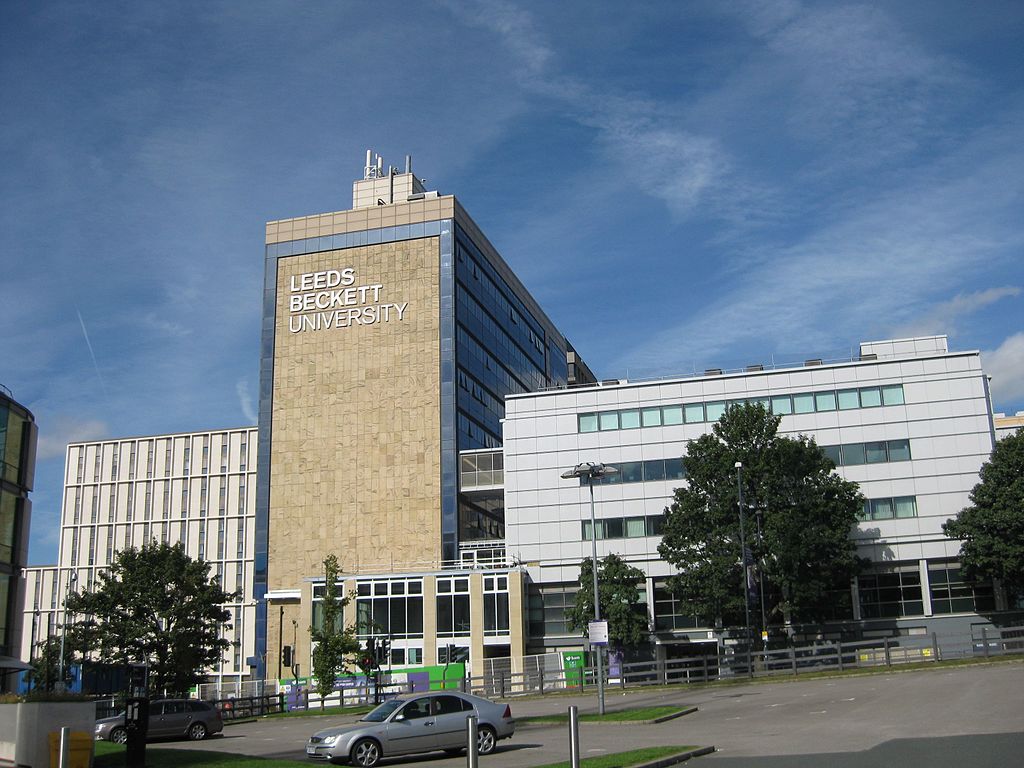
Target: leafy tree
(618,587)
(45,671)
(804,513)
(333,642)
(992,528)
(154,605)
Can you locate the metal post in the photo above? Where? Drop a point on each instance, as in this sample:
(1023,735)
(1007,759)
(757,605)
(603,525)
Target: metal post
(574,737)
(65,747)
(760,581)
(984,641)
(743,561)
(839,655)
(935,646)
(472,756)
(597,602)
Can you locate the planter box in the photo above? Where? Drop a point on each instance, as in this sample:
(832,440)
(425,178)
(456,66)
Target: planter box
(25,729)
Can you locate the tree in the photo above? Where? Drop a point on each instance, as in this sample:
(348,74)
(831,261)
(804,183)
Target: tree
(618,589)
(45,670)
(157,606)
(798,519)
(333,641)
(992,528)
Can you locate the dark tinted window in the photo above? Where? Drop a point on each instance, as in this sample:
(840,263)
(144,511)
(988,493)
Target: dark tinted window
(199,706)
(447,705)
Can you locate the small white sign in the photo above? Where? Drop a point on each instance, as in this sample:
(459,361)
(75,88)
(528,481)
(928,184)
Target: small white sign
(598,632)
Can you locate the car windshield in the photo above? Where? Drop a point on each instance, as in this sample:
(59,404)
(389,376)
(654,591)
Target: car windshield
(380,714)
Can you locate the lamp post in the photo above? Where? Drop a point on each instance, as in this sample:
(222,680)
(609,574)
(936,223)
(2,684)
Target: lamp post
(743,561)
(72,580)
(758,513)
(591,470)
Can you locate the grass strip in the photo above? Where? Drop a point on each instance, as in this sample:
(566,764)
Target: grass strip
(623,759)
(618,716)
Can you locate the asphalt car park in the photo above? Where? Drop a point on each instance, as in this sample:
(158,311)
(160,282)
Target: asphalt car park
(755,724)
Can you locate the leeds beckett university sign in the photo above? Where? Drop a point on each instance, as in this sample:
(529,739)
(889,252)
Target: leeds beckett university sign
(330,299)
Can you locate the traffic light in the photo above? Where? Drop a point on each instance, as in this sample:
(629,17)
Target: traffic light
(286,656)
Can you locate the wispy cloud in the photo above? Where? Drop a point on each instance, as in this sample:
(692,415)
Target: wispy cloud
(245,401)
(55,435)
(1005,364)
(942,317)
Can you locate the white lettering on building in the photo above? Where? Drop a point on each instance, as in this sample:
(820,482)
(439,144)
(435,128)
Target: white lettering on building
(329,299)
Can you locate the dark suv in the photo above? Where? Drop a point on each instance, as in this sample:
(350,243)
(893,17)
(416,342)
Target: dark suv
(168,718)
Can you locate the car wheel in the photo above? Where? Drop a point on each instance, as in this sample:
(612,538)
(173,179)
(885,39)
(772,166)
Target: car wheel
(365,753)
(197,731)
(119,736)
(486,740)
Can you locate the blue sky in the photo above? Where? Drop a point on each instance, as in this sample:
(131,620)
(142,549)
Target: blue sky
(681,184)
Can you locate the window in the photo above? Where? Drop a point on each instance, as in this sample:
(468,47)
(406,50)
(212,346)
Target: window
(654,469)
(496,614)
(392,607)
(803,403)
(588,422)
(546,612)
(875,453)
(715,411)
(905,506)
(672,415)
(848,399)
(651,417)
(892,395)
(629,420)
(890,595)
(899,450)
(853,454)
(952,594)
(609,420)
(670,612)
(452,606)
(782,405)
(635,527)
(674,469)
(694,413)
(631,471)
(870,397)
(824,401)
(833,453)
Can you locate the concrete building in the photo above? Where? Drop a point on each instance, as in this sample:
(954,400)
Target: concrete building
(908,420)
(1008,425)
(392,334)
(196,488)
(17,473)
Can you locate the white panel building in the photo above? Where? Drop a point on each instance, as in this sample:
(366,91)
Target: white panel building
(908,420)
(195,488)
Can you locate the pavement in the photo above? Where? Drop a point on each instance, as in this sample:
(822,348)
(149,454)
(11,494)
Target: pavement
(966,716)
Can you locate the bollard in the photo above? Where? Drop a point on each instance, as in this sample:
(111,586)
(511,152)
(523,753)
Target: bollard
(839,656)
(574,737)
(472,756)
(502,678)
(65,747)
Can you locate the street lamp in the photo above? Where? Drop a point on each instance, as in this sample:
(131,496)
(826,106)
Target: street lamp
(591,470)
(758,514)
(72,580)
(743,561)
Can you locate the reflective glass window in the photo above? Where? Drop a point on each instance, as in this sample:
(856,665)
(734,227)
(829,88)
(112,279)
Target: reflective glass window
(635,527)
(631,471)
(588,422)
(906,506)
(853,454)
(651,417)
(803,403)
(899,450)
(824,401)
(695,413)
(870,397)
(834,454)
(629,419)
(654,469)
(609,420)
(674,469)
(782,405)
(875,453)
(715,411)
(893,395)
(848,398)
(881,509)
(672,414)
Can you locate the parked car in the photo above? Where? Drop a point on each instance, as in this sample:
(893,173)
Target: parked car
(168,718)
(412,724)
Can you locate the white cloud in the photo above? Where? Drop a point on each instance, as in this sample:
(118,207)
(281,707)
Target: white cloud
(942,318)
(245,401)
(54,437)
(1005,364)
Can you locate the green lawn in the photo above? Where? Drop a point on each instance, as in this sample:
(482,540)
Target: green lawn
(623,759)
(619,716)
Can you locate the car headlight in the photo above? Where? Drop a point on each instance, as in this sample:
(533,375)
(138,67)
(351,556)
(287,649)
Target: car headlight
(329,740)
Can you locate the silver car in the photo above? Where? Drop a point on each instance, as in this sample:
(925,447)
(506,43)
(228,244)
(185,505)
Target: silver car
(168,718)
(414,723)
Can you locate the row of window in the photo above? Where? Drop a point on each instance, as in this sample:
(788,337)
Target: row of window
(889,508)
(354,239)
(625,527)
(882,595)
(783,405)
(848,454)
(150,448)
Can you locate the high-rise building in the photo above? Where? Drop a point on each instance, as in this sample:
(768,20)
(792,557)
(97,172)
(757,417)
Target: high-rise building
(392,334)
(17,473)
(197,489)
